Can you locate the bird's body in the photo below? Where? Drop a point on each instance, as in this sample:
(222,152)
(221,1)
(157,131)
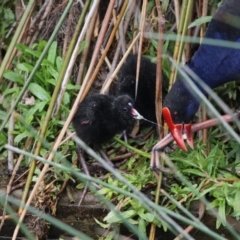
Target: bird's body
(145,100)
(213,64)
(99,117)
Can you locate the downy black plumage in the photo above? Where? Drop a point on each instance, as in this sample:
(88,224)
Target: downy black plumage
(99,117)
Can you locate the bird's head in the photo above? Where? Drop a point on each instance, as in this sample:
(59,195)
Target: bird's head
(126,85)
(124,106)
(179,108)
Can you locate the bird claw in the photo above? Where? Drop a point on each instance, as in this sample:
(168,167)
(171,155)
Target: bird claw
(155,165)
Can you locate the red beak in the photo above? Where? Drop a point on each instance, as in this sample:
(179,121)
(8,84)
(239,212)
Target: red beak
(178,130)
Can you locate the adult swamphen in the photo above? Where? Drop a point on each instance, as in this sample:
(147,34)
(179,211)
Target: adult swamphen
(214,65)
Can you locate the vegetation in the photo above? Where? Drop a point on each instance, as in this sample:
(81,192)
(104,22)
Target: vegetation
(39,84)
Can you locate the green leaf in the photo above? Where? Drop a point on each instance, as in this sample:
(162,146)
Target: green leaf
(147,216)
(21,136)
(236,202)
(8,15)
(112,217)
(39,92)
(195,172)
(222,214)
(80,185)
(31,112)
(2,115)
(59,63)
(11,91)
(52,52)
(14,76)
(142,225)
(25,67)
(21,47)
(102,224)
(73,87)
(200,21)
(207,190)
(33,52)
(53,72)
(66,98)
(103,191)
(47,63)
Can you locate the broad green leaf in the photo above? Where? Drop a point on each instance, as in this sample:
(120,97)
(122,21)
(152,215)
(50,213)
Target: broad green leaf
(25,67)
(11,91)
(39,92)
(103,191)
(53,72)
(21,47)
(13,76)
(147,216)
(33,52)
(51,81)
(21,136)
(47,63)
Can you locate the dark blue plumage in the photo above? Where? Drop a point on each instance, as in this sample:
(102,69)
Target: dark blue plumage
(215,65)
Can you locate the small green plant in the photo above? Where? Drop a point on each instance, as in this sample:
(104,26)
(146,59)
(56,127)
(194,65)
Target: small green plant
(35,102)
(208,174)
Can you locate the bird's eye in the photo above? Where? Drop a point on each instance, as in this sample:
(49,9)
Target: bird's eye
(125,109)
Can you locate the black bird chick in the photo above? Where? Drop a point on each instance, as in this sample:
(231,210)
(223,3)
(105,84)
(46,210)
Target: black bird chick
(99,117)
(145,100)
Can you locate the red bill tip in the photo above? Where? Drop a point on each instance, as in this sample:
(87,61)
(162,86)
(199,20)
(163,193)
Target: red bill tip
(177,130)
